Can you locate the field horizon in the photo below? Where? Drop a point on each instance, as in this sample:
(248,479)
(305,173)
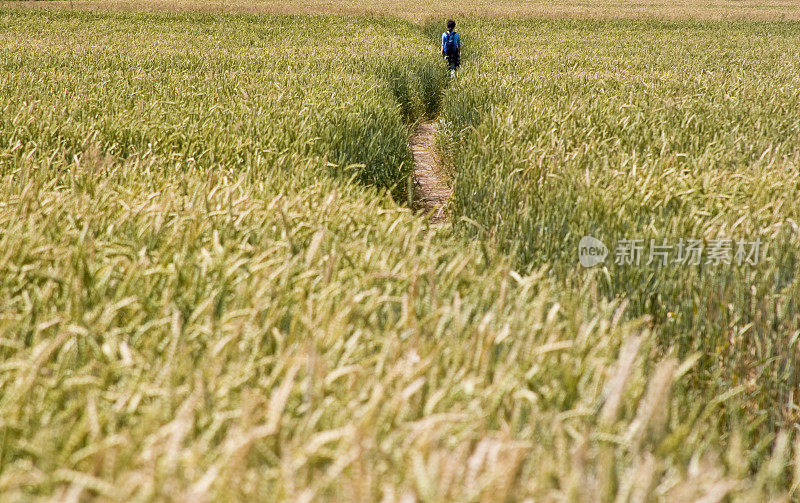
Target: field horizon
(682,10)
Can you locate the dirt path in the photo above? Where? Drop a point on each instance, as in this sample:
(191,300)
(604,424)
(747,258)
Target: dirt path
(431,191)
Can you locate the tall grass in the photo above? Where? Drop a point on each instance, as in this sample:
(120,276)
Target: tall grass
(652,131)
(208,294)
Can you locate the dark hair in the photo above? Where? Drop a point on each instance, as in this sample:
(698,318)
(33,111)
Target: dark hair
(451,25)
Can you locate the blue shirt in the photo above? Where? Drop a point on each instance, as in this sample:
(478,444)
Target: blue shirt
(456,40)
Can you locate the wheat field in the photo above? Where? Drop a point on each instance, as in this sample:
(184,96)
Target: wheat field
(213,287)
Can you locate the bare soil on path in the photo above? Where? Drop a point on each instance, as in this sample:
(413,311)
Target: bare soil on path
(431,191)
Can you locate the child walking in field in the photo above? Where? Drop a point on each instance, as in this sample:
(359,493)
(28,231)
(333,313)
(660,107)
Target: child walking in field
(451,47)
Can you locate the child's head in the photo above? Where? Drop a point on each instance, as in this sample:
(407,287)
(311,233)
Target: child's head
(451,25)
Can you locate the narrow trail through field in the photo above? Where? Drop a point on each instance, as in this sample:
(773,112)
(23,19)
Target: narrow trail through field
(431,191)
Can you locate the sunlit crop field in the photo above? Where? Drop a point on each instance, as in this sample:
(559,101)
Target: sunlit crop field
(213,288)
(763,10)
(660,132)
